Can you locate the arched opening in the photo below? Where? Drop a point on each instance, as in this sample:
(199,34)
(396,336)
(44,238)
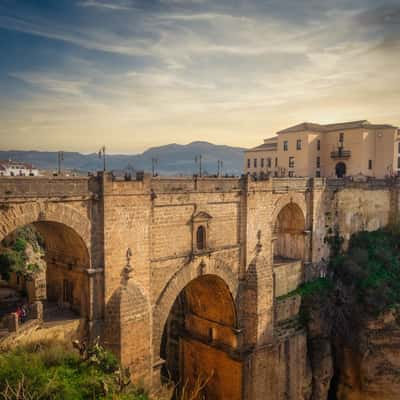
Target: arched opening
(289,233)
(289,249)
(46,261)
(201,238)
(200,343)
(340,169)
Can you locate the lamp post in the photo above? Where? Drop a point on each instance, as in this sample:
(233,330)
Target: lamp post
(154,164)
(60,158)
(220,165)
(198,160)
(102,154)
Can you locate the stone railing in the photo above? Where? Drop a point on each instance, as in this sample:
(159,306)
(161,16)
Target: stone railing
(366,184)
(12,323)
(204,184)
(15,187)
(286,184)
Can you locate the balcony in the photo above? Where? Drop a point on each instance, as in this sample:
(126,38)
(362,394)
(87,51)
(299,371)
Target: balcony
(340,153)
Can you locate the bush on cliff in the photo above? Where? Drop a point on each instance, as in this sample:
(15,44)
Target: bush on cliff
(362,283)
(371,268)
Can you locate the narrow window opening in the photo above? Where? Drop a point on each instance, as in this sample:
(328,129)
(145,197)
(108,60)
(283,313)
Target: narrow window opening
(285,145)
(201,238)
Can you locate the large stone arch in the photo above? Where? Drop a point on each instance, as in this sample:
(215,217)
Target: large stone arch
(199,341)
(15,216)
(177,283)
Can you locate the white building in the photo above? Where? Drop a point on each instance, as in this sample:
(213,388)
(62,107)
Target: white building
(15,168)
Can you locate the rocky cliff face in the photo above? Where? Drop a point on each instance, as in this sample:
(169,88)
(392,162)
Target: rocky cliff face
(372,371)
(367,370)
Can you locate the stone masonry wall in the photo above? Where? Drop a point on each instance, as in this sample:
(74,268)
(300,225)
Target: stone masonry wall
(140,237)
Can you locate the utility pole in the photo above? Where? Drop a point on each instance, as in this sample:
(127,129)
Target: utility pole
(154,164)
(102,154)
(220,164)
(60,158)
(198,159)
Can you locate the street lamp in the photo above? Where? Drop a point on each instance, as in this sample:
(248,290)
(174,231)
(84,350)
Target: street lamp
(60,158)
(198,160)
(102,154)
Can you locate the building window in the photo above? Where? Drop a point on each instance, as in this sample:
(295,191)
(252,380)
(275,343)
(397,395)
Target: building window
(291,174)
(318,174)
(285,145)
(318,145)
(398,163)
(399,147)
(276,161)
(318,162)
(262,163)
(341,137)
(291,162)
(201,238)
(248,163)
(369,164)
(269,162)
(298,144)
(255,163)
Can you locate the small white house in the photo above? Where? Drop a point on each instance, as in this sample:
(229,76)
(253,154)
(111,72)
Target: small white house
(15,168)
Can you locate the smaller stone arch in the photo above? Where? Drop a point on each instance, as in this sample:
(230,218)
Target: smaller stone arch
(289,233)
(298,198)
(16,216)
(66,232)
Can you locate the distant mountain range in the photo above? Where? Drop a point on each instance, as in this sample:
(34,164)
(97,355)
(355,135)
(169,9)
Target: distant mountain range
(173,159)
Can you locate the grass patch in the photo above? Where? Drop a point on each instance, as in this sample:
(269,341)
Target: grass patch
(54,371)
(320,286)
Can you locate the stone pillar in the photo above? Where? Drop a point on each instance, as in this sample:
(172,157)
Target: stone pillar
(13,323)
(90,311)
(37,310)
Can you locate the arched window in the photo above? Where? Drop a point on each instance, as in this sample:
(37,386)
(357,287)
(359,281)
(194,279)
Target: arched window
(340,169)
(201,238)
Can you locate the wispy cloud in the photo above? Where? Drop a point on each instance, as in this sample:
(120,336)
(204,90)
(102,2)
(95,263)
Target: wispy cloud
(108,5)
(146,72)
(92,39)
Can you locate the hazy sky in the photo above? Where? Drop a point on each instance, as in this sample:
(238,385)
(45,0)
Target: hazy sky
(130,74)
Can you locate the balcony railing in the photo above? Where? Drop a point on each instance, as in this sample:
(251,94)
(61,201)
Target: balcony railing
(340,153)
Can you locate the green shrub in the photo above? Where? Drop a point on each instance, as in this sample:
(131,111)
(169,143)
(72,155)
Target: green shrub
(371,266)
(50,370)
(19,245)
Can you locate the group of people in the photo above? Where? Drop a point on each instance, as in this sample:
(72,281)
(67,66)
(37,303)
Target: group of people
(22,313)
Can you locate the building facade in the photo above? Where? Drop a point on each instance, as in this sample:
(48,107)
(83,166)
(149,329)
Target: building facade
(357,148)
(16,168)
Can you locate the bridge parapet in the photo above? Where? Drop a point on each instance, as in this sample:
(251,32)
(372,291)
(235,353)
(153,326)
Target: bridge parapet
(204,184)
(39,187)
(367,184)
(286,184)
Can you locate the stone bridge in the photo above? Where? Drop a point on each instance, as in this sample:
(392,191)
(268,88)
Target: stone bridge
(185,279)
